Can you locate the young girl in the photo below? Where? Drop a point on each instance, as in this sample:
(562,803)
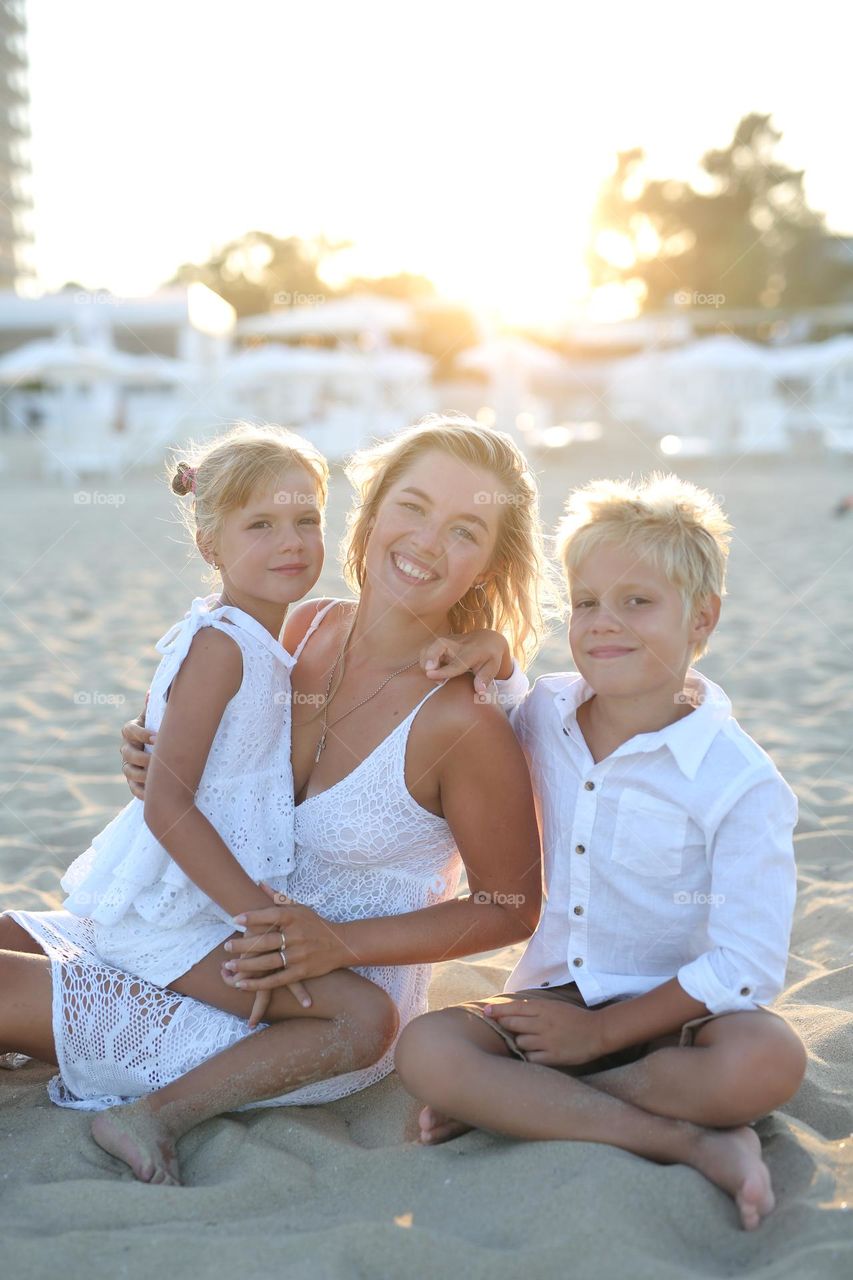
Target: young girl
(157,892)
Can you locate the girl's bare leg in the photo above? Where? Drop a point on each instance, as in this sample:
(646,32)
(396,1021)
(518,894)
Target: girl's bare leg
(350,1024)
(26,1006)
(14,938)
(462,1068)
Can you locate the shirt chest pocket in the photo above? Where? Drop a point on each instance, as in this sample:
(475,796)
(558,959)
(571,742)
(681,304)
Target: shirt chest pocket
(650,834)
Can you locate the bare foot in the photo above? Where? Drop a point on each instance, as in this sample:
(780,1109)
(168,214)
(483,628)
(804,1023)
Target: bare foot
(731,1158)
(135,1136)
(436,1127)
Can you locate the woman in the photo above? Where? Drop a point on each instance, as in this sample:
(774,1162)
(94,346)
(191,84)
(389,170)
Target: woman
(398,784)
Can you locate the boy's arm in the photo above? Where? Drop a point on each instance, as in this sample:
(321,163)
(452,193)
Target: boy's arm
(753,888)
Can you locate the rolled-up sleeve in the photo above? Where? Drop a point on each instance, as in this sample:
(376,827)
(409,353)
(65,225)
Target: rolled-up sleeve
(512,691)
(751,902)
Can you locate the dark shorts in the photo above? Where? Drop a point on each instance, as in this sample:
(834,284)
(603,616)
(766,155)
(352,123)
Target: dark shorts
(569,993)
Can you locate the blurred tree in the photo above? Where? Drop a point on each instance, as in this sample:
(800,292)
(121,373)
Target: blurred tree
(750,238)
(260,272)
(404,286)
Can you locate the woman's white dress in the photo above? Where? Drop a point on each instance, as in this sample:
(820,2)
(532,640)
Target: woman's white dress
(363,848)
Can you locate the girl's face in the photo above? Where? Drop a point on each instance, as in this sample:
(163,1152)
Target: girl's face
(434,534)
(270,552)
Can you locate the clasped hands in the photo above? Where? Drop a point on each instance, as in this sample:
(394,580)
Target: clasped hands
(551,1032)
(311,948)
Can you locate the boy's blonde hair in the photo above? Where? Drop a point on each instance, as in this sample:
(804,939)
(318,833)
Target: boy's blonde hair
(679,526)
(222,473)
(521,592)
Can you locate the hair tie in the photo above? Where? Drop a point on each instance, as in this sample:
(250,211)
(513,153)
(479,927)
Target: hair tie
(184,479)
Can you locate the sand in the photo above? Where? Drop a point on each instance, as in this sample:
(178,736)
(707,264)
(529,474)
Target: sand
(342,1190)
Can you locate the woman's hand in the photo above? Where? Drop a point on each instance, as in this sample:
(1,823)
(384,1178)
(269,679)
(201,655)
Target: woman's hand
(312,947)
(485,653)
(136,761)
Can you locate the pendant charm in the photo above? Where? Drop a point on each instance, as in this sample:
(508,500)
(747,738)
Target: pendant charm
(320,745)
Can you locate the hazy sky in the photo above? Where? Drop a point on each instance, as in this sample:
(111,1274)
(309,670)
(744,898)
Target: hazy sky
(460,139)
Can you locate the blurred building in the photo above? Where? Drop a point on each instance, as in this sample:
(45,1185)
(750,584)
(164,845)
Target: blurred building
(15,190)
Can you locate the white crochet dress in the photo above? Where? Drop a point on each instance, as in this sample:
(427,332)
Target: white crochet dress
(364,848)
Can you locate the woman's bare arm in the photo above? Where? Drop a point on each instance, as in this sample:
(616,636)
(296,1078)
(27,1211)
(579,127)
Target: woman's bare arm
(488,802)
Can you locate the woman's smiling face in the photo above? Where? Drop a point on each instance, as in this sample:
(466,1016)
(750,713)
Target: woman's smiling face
(434,534)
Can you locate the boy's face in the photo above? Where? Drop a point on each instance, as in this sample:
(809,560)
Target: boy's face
(628,633)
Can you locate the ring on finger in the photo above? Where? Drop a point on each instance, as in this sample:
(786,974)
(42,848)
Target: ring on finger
(281,949)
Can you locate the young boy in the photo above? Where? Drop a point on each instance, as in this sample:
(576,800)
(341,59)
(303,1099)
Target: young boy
(634,1016)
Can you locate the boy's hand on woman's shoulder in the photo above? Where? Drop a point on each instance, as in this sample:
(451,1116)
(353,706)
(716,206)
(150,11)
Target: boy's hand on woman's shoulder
(485,653)
(550,1032)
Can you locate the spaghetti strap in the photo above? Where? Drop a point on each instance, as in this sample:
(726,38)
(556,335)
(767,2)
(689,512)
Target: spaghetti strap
(315,622)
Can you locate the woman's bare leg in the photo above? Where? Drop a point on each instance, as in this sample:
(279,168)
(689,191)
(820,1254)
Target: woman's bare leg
(350,1024)
(462,1068)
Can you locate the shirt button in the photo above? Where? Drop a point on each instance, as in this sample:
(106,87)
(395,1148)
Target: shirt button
(578,911)
(580,848)
(590,786)
(546,984)
(745,991)
(577,962)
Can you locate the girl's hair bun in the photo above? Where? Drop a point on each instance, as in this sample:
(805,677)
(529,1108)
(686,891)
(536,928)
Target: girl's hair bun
(183,481)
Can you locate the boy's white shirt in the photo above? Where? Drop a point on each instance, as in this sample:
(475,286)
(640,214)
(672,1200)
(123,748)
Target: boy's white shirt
(687,865)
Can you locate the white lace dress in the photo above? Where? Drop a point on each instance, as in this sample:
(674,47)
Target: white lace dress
(363,848)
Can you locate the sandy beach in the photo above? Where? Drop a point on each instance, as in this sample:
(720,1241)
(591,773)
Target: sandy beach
(94,574)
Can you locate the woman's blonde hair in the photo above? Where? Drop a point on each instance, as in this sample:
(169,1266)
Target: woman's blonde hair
(680,527)
(222,473)
(520,594)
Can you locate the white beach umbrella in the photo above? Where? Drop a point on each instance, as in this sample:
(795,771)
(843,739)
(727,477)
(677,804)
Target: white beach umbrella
(511,353)
(62,361)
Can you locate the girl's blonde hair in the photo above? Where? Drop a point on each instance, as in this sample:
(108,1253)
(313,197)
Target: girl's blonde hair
(222,474)
(521,593)
(679,526)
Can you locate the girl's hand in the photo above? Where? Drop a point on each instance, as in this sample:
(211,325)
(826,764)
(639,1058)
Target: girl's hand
(136,761)
(259,1008)
(312,947)
(485,653)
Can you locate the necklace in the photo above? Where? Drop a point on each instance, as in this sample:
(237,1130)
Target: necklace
(326,700)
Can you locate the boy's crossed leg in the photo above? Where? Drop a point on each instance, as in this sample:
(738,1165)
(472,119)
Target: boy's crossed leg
(740,1067)
(463,1069)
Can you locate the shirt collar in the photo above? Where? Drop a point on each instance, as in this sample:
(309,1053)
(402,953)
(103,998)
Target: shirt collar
(687,740)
